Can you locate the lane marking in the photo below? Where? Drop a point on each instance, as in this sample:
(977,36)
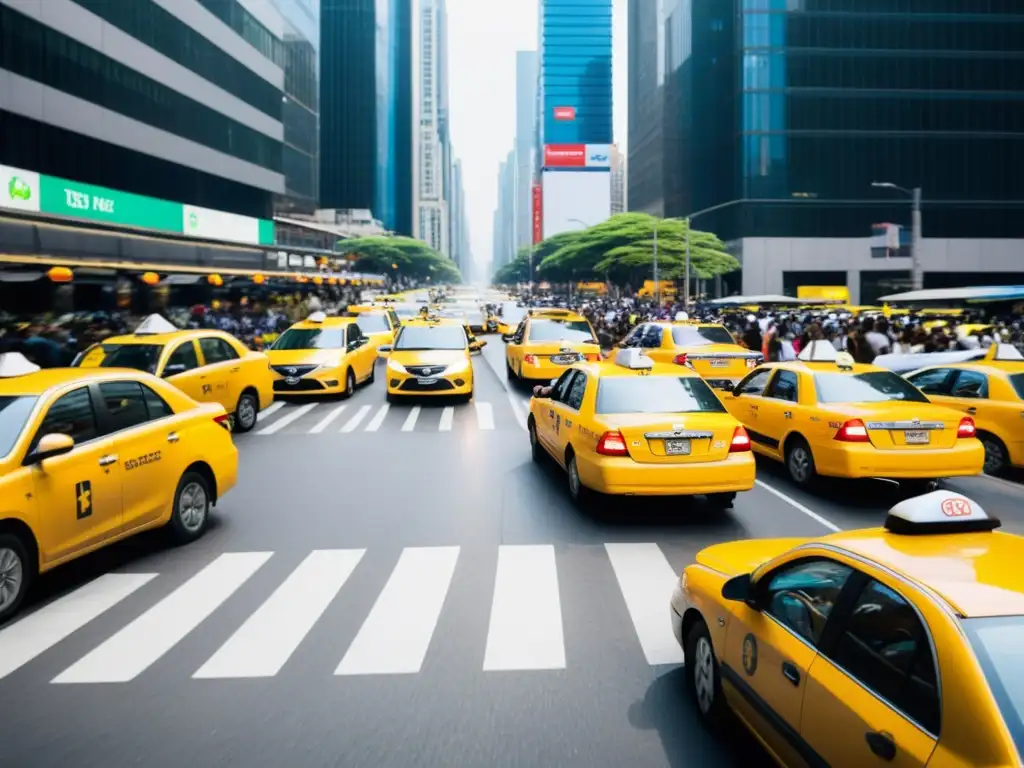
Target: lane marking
(378,418)
(410,420)
(355,421)
(270,410)
(40,631)
(646,580)
(268,638)
(135,648)
(396,635)
(327,420)
(447,419)
(517,408)
(525,630)
(484,415)
(293,415)
(799,507)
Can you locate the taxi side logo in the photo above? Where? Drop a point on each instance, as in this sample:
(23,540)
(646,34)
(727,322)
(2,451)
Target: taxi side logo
(956,508)
(83,499)
(750,654)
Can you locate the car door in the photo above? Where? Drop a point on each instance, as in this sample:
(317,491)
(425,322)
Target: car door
(222,370)
(777,411)
(771,645)
(545,419)
(147,442)
(567,413)
(182,369)
(361,355)
(872,695)
(744,403)
(969,392)
(78,494)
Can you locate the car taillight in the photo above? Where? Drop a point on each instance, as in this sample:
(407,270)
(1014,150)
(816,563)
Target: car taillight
(680,359)
(594,358)
(529,359)
(224,420)
(740,441)
(852,431)
(612,444)
(966,428)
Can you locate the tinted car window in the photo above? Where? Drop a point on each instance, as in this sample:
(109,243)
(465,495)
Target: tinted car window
(656,394)
(311,338)
(755,383)
(216,350)
(155,404)
(970,384)
(1017,379)
(576,390)
(412,337)
(783,387)
(185,355)
(374,323)
(14,412)
(561,330)
(138,357)
(652,337)
(873,387)
(125,403)
(71,414)
(700,335)
(802,596)
(933,382)
(560,389)
(999,645)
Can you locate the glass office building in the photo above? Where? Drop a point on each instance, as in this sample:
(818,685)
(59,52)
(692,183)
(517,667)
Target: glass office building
(576,71)
(366,109)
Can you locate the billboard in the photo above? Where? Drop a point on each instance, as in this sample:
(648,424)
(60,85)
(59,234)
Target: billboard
(599,156)
(538,213)
(574,200)
(577,155)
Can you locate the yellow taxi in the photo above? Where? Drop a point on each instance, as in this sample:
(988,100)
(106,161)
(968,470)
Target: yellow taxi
(545,342)
(823,416)
(429,357)
(639,428)
(91,456)
(707,347)
(990,391)
(207,365)
(899,645)
(323,355)
(378,323)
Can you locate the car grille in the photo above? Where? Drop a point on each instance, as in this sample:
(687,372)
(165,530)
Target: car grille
(425,370)
(292,370)
(302,385)
(441,385)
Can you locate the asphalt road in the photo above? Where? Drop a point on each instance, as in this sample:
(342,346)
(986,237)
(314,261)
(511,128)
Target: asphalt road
(394,587)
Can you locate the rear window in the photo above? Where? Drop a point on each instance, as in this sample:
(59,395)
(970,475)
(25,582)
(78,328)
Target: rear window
(14,412)
(140,357)
(561,330)
(373,323)
(700,335)
(999,645)
(873,387)
(1017,379)
(656,394)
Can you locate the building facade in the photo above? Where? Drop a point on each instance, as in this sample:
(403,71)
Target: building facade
(461,254)
(785,113)
(620,179)
(178,102)
(432,169)
(527,70)
(504,216)
(366,109)
(645,83)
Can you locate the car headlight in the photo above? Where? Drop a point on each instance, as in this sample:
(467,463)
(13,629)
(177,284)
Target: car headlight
(397,367)
(459,367)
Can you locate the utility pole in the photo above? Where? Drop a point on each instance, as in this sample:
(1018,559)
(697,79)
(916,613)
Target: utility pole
(657,282)
(916,273)
(686,287)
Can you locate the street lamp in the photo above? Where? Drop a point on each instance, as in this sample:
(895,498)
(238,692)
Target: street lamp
(916,274)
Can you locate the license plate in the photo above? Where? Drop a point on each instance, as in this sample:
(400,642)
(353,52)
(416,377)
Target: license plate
(719,363)
(291,381)
(564,359)
(677,447)
(425,382)
(917,437)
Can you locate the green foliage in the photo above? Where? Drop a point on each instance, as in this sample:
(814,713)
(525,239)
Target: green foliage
(381,254)
(516,271)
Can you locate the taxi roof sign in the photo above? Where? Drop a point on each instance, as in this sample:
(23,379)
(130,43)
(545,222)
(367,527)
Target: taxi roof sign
(939,512)
(1006,353)
(155,324)
(633,358)
(16,364)
(317,317)
(818,352)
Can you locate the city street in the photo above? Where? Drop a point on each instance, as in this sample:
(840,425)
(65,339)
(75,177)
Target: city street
(396,586)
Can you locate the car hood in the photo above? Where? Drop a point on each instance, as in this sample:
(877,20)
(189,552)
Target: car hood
(738,557)
(428,356)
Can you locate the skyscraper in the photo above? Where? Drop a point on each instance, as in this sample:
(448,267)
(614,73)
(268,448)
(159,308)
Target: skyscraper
(619,180)
(526,114)
(646,79)
(432,171)
(459,224)
(366,119)
(504,216)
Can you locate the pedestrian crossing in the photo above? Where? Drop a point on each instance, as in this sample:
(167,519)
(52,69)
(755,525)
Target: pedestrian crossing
(411,597)
(346,418)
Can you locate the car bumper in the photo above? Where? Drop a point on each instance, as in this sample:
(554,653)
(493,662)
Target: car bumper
(331,383)
(677,609)
(965,458)
(225,470)
(400,384)
(623,476)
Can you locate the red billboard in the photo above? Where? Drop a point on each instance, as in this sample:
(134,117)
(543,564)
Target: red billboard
(565,155)
(538,214)
(565,113)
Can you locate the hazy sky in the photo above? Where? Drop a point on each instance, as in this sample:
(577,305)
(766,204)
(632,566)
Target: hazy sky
(483,37)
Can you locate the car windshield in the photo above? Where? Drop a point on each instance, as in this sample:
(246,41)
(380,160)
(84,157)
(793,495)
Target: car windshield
(873,387)
(1017,379)
(141,357)
(373,323)
(700,335)
(561,330)
(999,645)
(656,394)
(407,311)
(14,412)
(422,337)
(311,338)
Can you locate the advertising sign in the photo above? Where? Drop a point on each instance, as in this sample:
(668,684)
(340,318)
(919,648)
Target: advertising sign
(599,156)
(23,190)
(574,199)
(565,113)
(538,214)
(565,155)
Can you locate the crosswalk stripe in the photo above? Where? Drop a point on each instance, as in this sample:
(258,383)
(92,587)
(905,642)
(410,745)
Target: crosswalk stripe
(378,418)
(525,631)
(410,420)
(355,421)
(265,642)
(646,580)
(40,631)
(137,646)
(270,410)
(395,636)
(447,419)
(293,415)
(327,420)
(484,415)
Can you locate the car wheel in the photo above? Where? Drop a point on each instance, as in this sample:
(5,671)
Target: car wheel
(577,490)
(912,488)
(191,512)
(16,572)
(246,412)
(702,674)
(391,398)
(800,462)
(996,458)
(350,383)
(722,500)
(535,450)
(373,374)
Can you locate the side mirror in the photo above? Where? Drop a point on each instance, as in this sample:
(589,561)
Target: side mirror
(55,444)
(506,337)
(739,589)
(728,386)
(384,350)
(174,370)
